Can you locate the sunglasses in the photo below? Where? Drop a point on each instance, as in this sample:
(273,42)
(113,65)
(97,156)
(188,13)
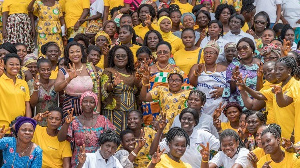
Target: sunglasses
(161,52)
(244,47)
(259,22)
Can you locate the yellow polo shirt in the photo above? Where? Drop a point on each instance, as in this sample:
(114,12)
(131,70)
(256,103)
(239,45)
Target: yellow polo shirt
(167,162)
(15,6)
(134,49)
(141,31)
(101,62)
(73,10)
(290,161)
(184,8)
(226,125)
(269,104)
(53,150)
(12,99)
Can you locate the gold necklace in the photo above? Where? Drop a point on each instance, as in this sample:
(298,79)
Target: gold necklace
(162,69)
(80,69)
(210,72)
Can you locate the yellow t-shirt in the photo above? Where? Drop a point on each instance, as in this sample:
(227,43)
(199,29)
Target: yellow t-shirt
(113,3)
(73,10)
(15,6)
(54,73)
(141,31)
(269,105)
(167,162)
(245,28)
(285,117)
(290,161)
(259,152)
(101,62)
(186,59)
(53,150)
(226,125)
(176,43)
(184,8)
(134,49)
(12,99)
(294,92)
(170,103)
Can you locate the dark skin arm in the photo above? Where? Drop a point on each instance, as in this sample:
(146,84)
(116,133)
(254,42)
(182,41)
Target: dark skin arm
(30,6)
(4,23)
(81,19)
(94,17)
(194,73)
(282,100)
(156,140)
(105,13)
(28,112)
(66,162)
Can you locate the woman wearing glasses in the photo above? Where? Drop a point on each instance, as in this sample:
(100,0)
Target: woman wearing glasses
(245,66)
(210,78)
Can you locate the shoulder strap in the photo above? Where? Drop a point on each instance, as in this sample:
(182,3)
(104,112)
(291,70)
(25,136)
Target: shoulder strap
(199,55)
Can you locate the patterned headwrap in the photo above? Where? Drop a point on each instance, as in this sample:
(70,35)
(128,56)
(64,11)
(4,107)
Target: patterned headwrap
(23,120)
(147,2)
(186,14)
(87,94)
(29,58)
(102,33)
(271,48)
(214,45)
(230,45)
(201,2)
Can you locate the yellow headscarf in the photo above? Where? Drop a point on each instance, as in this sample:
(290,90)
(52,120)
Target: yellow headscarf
(102,33)
(169,37)
(29,58)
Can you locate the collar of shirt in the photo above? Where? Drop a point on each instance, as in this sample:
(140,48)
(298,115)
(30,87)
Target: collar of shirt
(18,81)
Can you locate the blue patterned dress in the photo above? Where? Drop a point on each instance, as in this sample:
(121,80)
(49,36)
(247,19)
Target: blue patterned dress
(13,159)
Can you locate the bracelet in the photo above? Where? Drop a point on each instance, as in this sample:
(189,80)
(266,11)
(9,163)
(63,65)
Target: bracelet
(145,84)
(35,90)
(204,161)
(133,153)
(196,74)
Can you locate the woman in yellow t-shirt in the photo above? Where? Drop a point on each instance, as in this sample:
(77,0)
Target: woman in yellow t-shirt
(188,56)
(55,154)
(17,25)
(275,156)
(233,112)
(178,140)
(165,26)
(127,37)
(52,52)
(184,6)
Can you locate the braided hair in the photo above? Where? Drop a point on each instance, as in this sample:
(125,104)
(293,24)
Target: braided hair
(109,136)
(291,63)
(176,131)
(274,129)
(231,133)
(111,55)
(200,94)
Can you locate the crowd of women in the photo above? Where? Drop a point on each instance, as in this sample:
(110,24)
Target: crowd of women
(150,83)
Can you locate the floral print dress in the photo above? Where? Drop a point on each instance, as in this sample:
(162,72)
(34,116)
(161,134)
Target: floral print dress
(48,27)
(13,159)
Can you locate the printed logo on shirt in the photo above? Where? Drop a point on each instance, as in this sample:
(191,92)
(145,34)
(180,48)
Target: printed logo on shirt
(23,88)
(199,148)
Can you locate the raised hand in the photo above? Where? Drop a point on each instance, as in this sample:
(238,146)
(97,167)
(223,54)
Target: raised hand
(267,164)
(146,75)
(117,79)
(286,48)
(156,156)
(163,121)
(253,158)
(3,131)
(198,71)
(105,49)
(141,140)
(241,83)
(218,111)
(235,73)
(1,67)
(72,71)
(82,155)
(203,34)
(242,132)
(69,118)
(40,116)
(148,21)
(259,71)
(36,82)
(217,124)
(205,152)
(276,89)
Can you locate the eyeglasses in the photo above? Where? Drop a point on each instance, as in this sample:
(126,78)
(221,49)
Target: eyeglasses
(244,47)
(259,22)
(174,80)
(161,52)
(120,56)
(210,53)
(230,50)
